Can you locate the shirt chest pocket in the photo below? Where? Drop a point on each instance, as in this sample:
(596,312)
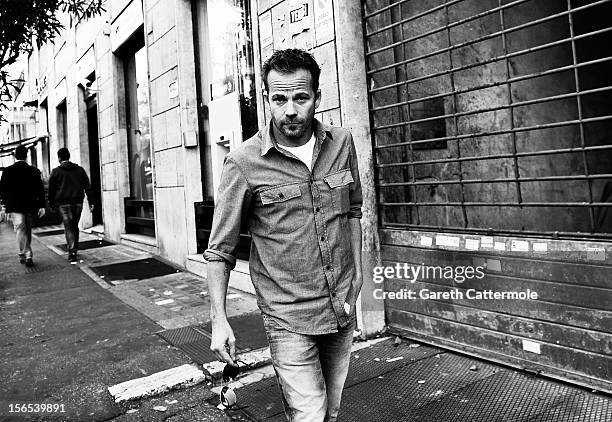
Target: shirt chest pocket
(283,208)
(339,185)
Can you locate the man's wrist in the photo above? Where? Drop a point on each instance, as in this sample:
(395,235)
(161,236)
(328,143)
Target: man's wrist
(218,318)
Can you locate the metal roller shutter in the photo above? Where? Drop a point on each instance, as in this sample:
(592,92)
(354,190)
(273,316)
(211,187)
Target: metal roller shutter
(491,122)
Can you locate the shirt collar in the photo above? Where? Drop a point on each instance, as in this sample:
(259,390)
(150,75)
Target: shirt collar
(321,130)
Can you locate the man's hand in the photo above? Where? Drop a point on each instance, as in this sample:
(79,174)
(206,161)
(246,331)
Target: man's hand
(353,294)
(41,212)
(223,342)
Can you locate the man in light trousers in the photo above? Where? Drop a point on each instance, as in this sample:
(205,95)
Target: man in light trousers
(23,194)
(296,184)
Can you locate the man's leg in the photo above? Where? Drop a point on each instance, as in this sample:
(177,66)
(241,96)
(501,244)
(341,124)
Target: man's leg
(76,217)
(335,356)
(20,224)
(298,370)
(66,213)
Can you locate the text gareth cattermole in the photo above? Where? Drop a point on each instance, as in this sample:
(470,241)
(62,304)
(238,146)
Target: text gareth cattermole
(413,273)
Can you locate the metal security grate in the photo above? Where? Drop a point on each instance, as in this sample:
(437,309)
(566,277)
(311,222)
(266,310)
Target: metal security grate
(192,341)
(492,115)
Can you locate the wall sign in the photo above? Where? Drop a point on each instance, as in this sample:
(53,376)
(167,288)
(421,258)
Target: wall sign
(298,14)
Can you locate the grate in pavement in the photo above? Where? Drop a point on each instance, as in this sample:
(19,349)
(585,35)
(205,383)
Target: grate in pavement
(195,341)
(49,233)
(248,329)
(192,341)
(88,244)
(430,385)
(43,268)
(138,269)
(262,400)
(578,408)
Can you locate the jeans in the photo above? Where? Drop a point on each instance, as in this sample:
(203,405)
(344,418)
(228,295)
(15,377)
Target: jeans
(22,223)
(310,370)
(71,214)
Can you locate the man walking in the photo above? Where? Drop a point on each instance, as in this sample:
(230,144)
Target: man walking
(23,194)
(68,185)
(296,184)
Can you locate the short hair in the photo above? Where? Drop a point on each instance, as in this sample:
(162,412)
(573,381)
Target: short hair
(21,152)
(290,60)
(63,154)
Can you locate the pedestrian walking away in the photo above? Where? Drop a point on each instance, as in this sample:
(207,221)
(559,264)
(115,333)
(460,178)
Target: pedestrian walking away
(68,186)
(296,185)
(23,195)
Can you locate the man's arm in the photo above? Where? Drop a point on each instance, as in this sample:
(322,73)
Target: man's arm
(354,215)
(355,227)
(233,201)
(52,189)
(40,194)
(222,333)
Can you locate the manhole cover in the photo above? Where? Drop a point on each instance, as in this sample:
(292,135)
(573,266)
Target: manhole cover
(139,270)
(191,341)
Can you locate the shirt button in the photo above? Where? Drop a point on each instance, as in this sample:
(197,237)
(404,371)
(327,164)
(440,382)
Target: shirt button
(328,267)
(322,238)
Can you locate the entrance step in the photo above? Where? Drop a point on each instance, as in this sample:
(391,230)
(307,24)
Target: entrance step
(240,278)
(141,242)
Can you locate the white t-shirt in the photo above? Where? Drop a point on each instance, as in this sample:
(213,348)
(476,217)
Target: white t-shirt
(303,152)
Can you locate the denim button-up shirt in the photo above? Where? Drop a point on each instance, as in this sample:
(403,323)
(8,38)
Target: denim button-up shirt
(301,262)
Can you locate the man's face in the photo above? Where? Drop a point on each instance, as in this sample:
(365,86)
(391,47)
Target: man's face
(292,102)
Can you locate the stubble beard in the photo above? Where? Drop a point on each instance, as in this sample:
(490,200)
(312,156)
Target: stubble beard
(293,133)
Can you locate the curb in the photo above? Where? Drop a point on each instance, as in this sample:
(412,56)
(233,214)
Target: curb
(158,383)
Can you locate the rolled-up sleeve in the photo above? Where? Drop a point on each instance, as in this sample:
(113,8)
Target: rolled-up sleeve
(355,196)
(233,201)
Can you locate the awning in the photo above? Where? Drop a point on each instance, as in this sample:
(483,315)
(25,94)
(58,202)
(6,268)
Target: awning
(9,148)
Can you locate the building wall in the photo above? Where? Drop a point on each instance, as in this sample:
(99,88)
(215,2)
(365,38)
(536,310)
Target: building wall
(56,76)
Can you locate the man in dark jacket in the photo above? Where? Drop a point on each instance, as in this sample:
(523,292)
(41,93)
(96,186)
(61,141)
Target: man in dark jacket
(68,185)
(23,195)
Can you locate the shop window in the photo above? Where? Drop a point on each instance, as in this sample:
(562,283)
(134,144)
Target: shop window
(139,206)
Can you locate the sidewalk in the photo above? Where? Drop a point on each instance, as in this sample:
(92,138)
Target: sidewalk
(113,317)
(65,339)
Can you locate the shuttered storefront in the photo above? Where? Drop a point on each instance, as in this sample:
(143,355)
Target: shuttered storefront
(492,130)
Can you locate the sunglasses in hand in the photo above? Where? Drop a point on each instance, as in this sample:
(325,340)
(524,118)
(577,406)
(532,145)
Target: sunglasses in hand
(230,372)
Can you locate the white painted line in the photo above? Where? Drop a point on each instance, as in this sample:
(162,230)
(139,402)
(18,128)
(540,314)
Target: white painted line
(164,302)
(160,382)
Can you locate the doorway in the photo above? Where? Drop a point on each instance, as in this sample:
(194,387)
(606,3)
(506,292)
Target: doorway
(94,160)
